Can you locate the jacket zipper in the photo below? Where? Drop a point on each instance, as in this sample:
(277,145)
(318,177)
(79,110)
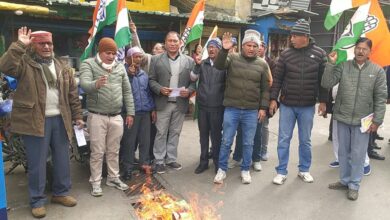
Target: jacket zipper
(139,93)
(356,95)
(303,63)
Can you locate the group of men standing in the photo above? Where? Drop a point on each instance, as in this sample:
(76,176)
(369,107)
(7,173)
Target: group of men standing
(236,92)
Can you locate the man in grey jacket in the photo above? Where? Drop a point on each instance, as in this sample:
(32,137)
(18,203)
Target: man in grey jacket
(362,91)
(169,79)
(107,86)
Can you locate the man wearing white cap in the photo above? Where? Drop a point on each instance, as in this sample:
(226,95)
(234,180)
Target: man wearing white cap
(144,115)
(246,98)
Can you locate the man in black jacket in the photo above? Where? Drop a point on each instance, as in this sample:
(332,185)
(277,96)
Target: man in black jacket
(298,77)
(210,101)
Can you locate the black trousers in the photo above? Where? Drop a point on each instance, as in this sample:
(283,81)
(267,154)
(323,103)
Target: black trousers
(371,142)
(210,127)
(139,133)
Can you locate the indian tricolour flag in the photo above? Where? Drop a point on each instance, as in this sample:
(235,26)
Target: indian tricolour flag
(346,44)
(336,9)
(194,27)
(122,31)
(106,13)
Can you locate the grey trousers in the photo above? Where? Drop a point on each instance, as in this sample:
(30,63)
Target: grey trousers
(37,149)
(138,133)
(170,120)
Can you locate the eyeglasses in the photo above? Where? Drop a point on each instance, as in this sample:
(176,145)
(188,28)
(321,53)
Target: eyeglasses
(43,44)
(362,49)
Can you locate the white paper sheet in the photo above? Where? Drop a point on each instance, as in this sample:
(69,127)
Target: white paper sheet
(175,92)
(79,133)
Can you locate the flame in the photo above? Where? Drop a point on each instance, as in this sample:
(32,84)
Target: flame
(160,205)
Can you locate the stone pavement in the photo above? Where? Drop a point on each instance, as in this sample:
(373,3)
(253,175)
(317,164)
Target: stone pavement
(259,200)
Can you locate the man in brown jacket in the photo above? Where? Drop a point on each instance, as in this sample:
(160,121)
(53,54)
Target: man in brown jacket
(44,106)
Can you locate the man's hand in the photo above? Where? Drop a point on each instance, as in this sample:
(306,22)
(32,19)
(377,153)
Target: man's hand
(198,59)
(165,91)
(227,42)
(373,128)
(154,116)
(24,35)
(332,57)
(388,101)
(273,106)
(133,28)
(102,81)
(184,93)
(261,115)
(322,109)
(132,69)
(129,121)
(80,123)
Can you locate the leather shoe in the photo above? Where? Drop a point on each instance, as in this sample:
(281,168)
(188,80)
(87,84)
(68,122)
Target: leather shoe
(38,212)
(376,156)
(379,137)
(67,201)
(201,169)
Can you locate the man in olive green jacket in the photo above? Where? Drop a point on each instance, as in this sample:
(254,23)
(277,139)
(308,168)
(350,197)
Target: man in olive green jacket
(362,91)
(107,86)
(246,99)
(45,103)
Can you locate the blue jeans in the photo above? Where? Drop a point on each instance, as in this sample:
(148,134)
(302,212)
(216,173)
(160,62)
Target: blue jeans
(256,154)
(287,119)
(352,153)
(231,119)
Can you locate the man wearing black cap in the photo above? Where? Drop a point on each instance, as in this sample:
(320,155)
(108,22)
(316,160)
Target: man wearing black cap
(210,100)
(298,79)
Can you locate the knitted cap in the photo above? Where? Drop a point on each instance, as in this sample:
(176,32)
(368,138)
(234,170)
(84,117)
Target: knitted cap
(216,42)
(251,36)
(41,36)
(133,50)
(107,44)
(302,27)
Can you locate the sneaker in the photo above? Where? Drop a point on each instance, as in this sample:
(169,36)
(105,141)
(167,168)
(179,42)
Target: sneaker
(67,201)
(117,183)
(160,168)
(221,175)
(38,212)
(279,179)
(337,186)
(233,163)
(334,164)
(367,170)
(246,177)
(306,177)
(96,190)
(352,194)
(257,166)
(174,165)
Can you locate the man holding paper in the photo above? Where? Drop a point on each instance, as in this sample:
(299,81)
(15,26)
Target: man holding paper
(169,79)
(362,91)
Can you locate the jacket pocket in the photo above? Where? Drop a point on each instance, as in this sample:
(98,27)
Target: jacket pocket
(22,104)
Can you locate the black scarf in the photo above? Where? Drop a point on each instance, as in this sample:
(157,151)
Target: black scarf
(45,63)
